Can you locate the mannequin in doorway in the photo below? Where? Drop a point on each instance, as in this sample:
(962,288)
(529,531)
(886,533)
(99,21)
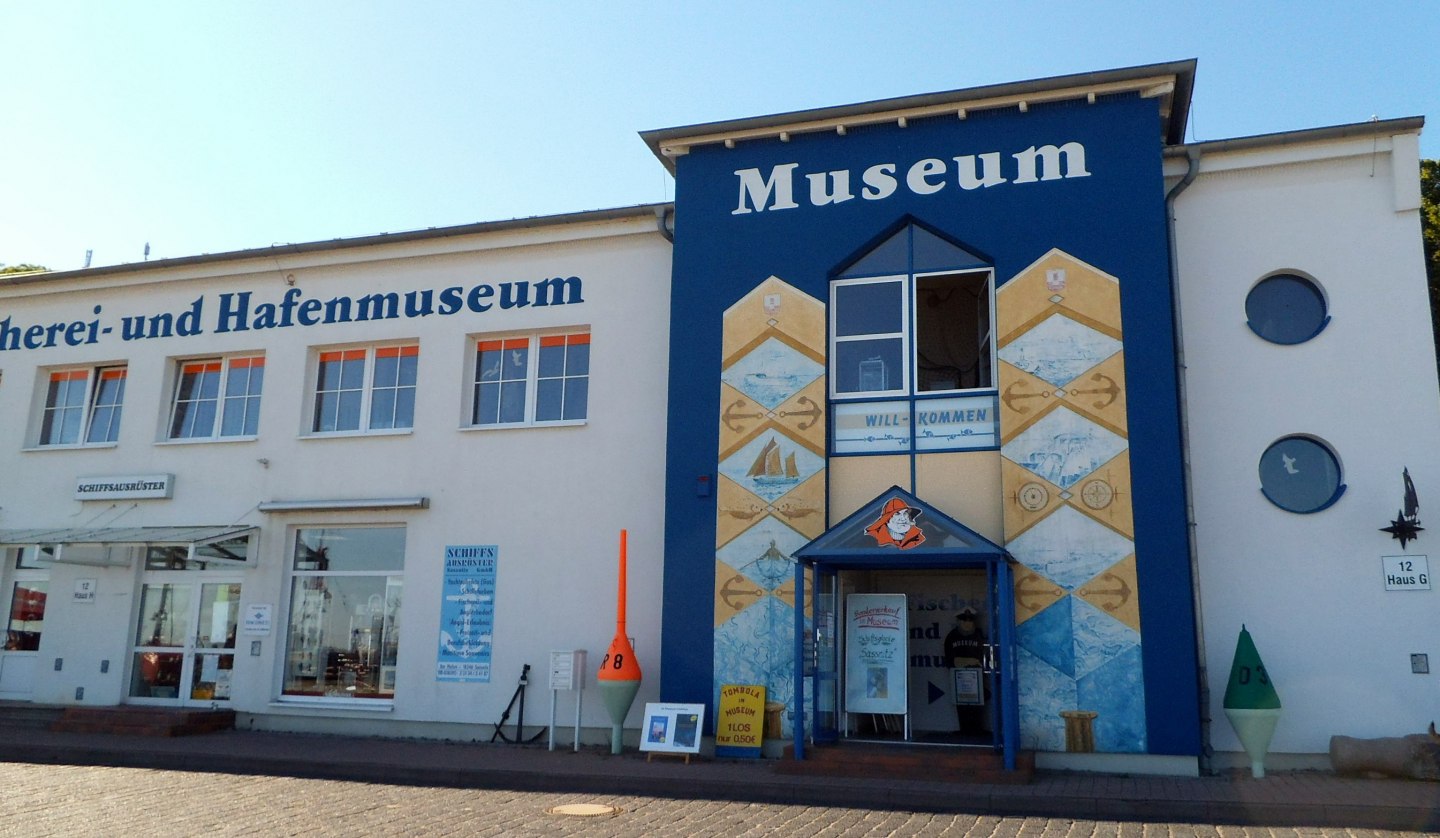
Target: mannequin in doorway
(965,646)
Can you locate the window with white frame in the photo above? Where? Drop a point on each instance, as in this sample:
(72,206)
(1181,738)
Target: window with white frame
(83,406)
(531,379)
(217,398)
(365,389)
(343,632)
(909,335)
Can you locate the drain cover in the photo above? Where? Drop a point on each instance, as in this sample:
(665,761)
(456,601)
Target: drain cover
(583,810)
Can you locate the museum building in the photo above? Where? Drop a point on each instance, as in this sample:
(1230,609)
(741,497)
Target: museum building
(983,418)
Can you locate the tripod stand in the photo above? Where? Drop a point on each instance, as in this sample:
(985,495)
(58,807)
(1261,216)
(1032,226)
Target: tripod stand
(520,720)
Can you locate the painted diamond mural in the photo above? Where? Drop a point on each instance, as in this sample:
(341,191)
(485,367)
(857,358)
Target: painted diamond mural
(1064,447)
(772,373)
(1059,349)
(762,553)
(1070,548)
(771,465)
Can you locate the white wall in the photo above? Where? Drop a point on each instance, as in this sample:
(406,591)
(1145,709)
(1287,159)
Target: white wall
(553,499)
(1309,587)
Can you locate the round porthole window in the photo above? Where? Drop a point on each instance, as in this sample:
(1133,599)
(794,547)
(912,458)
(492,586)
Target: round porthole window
(1286,309)
(1300,474)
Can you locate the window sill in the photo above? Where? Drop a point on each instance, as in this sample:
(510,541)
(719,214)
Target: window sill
(357,434)
(202,440)
(564,423)
(87,446)
(330,705)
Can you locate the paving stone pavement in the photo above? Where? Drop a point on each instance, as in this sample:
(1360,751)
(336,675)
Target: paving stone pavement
(83,801)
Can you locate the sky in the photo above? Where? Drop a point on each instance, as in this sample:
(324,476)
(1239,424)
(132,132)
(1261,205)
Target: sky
(212,127)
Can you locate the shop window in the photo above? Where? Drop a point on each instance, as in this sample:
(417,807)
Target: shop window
(344,623)
(82,406)
(349,400)
(531,380)
(217,398)
(1300,474)
(1286,309)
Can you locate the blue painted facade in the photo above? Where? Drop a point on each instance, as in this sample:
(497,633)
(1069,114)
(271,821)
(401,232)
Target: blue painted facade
(1114,217)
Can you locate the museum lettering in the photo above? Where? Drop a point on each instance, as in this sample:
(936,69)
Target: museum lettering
(776,190)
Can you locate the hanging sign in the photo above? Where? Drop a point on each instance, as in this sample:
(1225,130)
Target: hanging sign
(740,721)
(467,613)
(876,643)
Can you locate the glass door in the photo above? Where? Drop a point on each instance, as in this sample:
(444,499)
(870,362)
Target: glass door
(184,645)
(25,618)
(825,663)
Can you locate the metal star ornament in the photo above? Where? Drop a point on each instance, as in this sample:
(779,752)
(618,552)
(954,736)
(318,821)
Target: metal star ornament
(1406,526)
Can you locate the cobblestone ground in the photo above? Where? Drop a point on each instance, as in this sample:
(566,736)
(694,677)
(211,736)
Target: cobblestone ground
(71,801)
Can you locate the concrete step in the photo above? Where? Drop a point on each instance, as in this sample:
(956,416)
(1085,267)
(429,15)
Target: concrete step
(143,721)
(916,762)
(26,715)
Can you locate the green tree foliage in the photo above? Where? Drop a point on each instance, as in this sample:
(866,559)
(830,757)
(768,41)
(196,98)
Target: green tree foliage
(30,269)
(1430,232)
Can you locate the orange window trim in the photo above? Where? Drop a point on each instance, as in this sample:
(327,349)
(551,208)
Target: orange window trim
(70,375)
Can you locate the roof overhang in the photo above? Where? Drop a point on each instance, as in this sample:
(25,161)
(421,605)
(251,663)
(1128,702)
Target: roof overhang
(1170,82)
(92,545)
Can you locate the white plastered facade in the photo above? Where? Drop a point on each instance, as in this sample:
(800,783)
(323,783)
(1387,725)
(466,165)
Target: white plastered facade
(1310,588)
(552,499)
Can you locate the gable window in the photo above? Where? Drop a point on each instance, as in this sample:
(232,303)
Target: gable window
(217,398)
(531,379)
(347,399)
(912,348)
(83,406)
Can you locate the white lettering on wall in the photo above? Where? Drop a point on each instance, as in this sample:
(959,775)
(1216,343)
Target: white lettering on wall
(760,191)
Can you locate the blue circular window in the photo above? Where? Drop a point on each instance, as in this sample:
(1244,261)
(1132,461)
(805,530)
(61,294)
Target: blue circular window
(1300,474)
(1286,309)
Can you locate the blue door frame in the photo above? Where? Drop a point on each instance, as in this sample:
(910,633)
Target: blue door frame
(1000,590)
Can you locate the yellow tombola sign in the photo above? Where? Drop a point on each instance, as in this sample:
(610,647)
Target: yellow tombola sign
(740,722)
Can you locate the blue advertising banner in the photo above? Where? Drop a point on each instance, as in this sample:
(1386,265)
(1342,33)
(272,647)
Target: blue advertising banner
(467,614)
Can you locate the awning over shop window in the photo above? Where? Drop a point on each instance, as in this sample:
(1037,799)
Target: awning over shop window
(94,545)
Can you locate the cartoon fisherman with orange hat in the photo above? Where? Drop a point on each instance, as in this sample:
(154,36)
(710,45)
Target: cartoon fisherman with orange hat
(896,526)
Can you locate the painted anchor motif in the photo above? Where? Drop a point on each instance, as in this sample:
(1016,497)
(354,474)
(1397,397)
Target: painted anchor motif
(814,413)
(729,593)
(1121,592)
(1110,389)
(1024,593)
(731,414)
(1009,397)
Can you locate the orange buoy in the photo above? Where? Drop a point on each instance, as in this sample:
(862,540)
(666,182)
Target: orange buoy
(619,675)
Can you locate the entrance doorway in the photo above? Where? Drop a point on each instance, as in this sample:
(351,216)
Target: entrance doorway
(184,643)
(25,620)
(948,660)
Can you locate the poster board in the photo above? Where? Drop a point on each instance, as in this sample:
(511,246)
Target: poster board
(969,685)
(876,653)
(740,721)
(672,728)
(467,613)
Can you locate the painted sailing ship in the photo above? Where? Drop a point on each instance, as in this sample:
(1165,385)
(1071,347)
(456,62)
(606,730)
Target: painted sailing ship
(769,470)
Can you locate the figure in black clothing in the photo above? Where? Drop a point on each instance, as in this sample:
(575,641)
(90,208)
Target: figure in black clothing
(965,646)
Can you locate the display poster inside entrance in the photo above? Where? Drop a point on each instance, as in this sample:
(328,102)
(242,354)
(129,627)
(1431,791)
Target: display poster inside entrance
(467,613)
(875,653)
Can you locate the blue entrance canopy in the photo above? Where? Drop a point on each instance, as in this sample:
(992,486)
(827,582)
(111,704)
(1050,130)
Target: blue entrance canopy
(898,530)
